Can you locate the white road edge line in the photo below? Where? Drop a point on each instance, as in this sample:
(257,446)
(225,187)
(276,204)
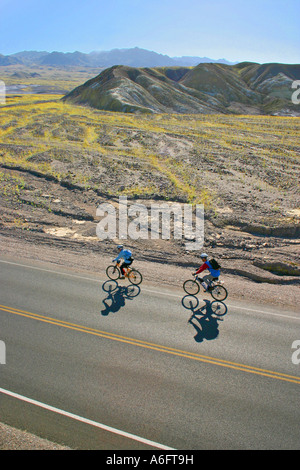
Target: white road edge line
(146,290)
(86,421)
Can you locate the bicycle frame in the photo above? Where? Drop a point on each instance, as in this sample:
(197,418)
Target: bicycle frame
(132,274)
(128,268)
(214,287)
(209,282)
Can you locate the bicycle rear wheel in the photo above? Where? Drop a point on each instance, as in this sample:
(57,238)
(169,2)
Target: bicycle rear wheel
(135,277)
(219,293)
(113,272)
(191,287)
(190,302)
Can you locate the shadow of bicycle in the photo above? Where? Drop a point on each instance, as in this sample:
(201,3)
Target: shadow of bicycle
(204,318)
(117,296)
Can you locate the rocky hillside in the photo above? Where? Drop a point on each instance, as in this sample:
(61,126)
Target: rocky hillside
(246,88)
(59,161)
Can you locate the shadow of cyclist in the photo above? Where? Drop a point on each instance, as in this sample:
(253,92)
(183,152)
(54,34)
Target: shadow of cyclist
(205,318)
(117,296)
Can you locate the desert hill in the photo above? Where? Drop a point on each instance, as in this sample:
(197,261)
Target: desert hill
(246,88)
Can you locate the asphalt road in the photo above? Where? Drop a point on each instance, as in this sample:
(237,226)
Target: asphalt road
(94,364)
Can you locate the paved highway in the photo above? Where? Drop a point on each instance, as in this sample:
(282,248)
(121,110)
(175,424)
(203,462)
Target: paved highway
(96,364)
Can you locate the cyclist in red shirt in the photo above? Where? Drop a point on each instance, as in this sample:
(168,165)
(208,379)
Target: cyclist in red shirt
(213,273)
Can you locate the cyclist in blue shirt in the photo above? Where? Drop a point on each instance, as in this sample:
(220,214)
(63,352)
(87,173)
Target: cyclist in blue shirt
(126,255)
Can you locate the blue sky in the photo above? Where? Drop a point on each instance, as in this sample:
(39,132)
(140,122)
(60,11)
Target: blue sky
(237,30)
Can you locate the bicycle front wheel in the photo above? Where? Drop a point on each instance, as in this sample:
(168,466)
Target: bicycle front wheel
(135,277)
(219,293)
(191,287)
(113,272)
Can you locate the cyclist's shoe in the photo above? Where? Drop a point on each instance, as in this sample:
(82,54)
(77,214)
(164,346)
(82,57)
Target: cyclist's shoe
(122,277)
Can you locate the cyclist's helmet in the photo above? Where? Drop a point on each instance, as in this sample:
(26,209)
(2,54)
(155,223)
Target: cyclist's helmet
(120,247)
(203,255)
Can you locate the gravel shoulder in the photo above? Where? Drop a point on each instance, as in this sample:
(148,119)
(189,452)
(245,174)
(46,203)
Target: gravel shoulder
(14,439)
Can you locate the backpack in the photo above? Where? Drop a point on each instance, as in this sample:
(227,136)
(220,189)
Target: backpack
(214,264)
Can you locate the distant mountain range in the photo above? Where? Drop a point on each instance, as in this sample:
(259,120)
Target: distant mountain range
(134,57)
(245,88)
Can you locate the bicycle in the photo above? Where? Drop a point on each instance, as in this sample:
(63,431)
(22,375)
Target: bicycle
(133,275)
(215,288)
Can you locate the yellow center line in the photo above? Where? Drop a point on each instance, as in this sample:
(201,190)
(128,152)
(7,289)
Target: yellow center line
(153,346)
